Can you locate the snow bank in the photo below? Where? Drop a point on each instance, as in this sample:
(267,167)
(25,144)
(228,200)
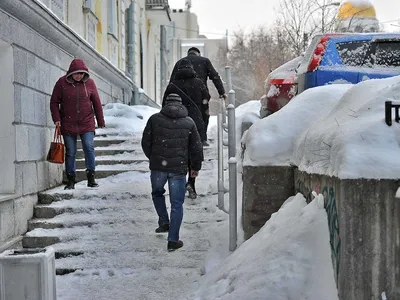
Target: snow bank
(289,258)
(353,140)
(270,141)
(122,119)
(336,130)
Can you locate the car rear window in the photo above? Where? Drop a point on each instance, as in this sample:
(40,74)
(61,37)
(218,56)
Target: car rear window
(353,53)
(387,54)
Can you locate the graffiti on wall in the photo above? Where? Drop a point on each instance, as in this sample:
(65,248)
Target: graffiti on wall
(333,219)
(333,223)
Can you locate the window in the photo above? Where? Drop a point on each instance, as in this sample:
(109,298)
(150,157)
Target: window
(387,54)
(58,7)
(91,24)
(113,51)
(90,21)
(112,8)
(90,5)
(353,53)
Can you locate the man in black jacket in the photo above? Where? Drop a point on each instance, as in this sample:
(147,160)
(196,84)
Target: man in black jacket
(193,94)
(170,140)
(205,70)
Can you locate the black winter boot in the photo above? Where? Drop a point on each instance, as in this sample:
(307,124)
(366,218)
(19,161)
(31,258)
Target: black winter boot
(90,178)
(71,182)
(190,187)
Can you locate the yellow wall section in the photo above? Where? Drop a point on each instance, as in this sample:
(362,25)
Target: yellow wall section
(347,11)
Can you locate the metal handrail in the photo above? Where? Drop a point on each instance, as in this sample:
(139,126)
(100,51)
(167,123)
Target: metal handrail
(230,127)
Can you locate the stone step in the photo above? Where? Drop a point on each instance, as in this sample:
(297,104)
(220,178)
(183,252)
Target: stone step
(48,198)
(45,224)
(81,173)
(102,142)
(39,241)
(80,240)
(46,212)
(106,152)
(80,163)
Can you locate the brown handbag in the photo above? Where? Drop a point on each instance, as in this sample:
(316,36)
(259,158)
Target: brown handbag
(56,151)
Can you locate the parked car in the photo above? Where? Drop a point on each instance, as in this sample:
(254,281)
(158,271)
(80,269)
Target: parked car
(341,58)
(280,87)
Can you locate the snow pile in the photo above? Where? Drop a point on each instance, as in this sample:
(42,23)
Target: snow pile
(289,258)
(348,140)
(270,141)
(353,140)
(122,119)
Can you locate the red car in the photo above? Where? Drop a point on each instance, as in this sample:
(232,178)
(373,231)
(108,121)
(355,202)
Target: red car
(280,87)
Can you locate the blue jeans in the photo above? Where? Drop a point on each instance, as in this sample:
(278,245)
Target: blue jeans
(88,148)
(177,190)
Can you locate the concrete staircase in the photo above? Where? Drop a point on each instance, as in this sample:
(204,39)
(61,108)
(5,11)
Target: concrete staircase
(85,226)
(114,155)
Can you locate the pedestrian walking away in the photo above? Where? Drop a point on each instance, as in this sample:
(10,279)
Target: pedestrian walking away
(74,103)
(204,70)
(170,140)
(193,93)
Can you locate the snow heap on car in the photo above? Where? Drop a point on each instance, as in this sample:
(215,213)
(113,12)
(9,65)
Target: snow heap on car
(345,135)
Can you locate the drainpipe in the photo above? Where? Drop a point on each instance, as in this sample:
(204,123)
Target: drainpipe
(131,41)
(162,58)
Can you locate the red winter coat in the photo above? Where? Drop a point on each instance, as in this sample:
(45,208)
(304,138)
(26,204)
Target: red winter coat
(75,103)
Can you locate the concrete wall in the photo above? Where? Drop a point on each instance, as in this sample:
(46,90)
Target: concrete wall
(264,191)
(364,224)
(36,49)
(363,219)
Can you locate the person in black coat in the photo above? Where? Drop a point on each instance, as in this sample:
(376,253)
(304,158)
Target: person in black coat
(171,142)
(204,70)
(194,94)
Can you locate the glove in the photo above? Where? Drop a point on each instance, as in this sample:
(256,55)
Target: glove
(223,96)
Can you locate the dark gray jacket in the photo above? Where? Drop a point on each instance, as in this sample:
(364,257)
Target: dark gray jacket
(170,139)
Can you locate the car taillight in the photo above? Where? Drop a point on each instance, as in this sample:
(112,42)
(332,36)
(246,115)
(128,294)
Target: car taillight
(318,53)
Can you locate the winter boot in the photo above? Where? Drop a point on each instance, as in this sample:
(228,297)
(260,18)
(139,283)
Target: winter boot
(71,182)
(162,228)
(172,246)
(192,191)
(90,177)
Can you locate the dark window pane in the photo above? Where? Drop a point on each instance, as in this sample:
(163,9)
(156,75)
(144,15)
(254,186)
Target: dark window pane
(387,54)
(353,53)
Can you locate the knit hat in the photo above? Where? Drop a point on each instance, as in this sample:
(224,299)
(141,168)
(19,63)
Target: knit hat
(173,98)
(194,49)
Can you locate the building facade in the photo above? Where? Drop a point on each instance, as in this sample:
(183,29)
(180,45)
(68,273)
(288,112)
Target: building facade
(119,41)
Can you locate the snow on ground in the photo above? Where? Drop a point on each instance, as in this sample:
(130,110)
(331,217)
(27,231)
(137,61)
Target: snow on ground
(336,130)
(288,259)
(124,120)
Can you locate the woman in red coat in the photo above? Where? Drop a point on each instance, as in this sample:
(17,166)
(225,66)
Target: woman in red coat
(73,104)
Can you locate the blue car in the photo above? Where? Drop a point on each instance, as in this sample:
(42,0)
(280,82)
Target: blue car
(348,58)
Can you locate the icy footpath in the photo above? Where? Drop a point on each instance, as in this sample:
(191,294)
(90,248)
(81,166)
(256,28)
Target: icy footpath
(104,238)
